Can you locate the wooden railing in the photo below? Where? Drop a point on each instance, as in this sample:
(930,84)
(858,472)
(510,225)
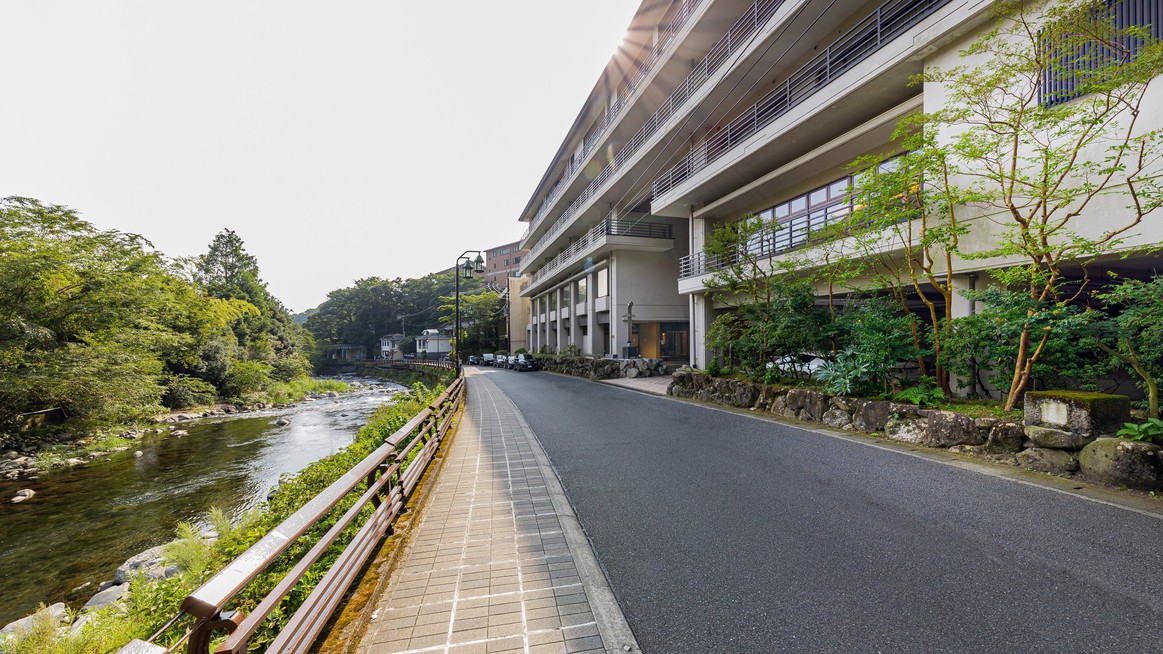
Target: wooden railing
(387,486)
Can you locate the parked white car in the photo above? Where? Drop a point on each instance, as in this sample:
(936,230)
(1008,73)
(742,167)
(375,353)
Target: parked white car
(801,365)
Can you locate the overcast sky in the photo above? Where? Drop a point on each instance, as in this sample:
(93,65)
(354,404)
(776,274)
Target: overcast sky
(340,139)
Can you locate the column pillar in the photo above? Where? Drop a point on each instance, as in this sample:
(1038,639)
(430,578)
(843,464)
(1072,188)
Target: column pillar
(700,322)
(591,315)
(560,344)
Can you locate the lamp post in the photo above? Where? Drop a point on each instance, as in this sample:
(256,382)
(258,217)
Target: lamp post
(466,267)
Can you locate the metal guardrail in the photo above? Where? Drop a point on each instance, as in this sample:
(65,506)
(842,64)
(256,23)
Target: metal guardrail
(736,37)
(886,23)
(388,487)
(604,228)
(769,243)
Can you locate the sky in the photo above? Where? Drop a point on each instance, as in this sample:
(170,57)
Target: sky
(340,140)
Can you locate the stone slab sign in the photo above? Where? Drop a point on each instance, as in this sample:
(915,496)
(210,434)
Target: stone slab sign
(1078,412)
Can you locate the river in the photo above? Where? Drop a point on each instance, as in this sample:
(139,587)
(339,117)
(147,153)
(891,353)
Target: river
(84,522)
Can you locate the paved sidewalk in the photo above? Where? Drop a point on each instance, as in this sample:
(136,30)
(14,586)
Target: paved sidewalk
(498,561)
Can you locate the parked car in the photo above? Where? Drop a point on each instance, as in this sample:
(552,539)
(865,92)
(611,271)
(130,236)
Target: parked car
(487,359)
(474,360)
(525,362)
(801,365)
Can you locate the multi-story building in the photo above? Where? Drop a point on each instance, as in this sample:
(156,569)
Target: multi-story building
(714,110)
(501,263)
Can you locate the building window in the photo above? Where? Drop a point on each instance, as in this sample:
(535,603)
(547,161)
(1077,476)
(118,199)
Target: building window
(1067,74)
(504,250)
(506,262)
(516,260)
(553,301)
(603,282)
(581,290)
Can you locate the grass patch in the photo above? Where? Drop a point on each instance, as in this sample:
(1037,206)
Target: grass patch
(983,409)
(297,390)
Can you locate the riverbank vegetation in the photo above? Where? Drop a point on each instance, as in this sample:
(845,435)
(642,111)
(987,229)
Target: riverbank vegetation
(98,328)
(199,551)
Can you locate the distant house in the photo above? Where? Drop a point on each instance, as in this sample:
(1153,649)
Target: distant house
(435,343)
(392,346)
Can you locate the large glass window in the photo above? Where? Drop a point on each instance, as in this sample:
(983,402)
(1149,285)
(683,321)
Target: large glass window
(553,301)
(581,290)
(603,282)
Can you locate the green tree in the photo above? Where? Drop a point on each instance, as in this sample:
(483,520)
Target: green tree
(1048,166)
(1131,331)
(89,319)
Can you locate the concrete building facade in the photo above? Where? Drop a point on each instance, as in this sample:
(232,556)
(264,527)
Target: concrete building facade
(719,109)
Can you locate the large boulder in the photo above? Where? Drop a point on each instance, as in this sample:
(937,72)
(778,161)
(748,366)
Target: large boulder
(947,428)
(906,430)
(1058,439)
(57,612)
(1122,462)
(1057,462)
(837,418)
(151,563)
(872,415)
(106,597)
(1005,437)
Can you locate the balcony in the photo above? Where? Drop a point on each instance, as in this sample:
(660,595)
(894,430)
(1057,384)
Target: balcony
(886,23)
(576,162)
(737,37)
(785,236)
(606,232)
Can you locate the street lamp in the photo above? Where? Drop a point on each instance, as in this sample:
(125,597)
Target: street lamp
(464,266)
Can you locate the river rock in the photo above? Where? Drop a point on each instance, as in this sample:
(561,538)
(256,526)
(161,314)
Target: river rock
(57,611)
(22,494)
(1057,462)
(1123,462)
(74,462)
(151,563)
(138,454)
(181,432)
(105,598)
(283,421)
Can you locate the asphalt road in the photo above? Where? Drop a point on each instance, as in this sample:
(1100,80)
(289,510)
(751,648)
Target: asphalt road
(721,532)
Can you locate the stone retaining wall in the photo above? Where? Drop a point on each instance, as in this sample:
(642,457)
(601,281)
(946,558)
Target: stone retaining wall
(1084,443)
(593,368)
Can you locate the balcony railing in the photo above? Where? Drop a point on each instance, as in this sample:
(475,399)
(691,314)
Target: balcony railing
(737,37)
(785,236)
(886,23)
(665,38)
(601,230)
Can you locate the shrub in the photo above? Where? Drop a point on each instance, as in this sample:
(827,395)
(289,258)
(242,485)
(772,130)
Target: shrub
(1150,431)
(245,377)
(849,374)
(924,394)
(183,391)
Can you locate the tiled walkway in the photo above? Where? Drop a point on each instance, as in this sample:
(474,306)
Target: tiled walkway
(498,562)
